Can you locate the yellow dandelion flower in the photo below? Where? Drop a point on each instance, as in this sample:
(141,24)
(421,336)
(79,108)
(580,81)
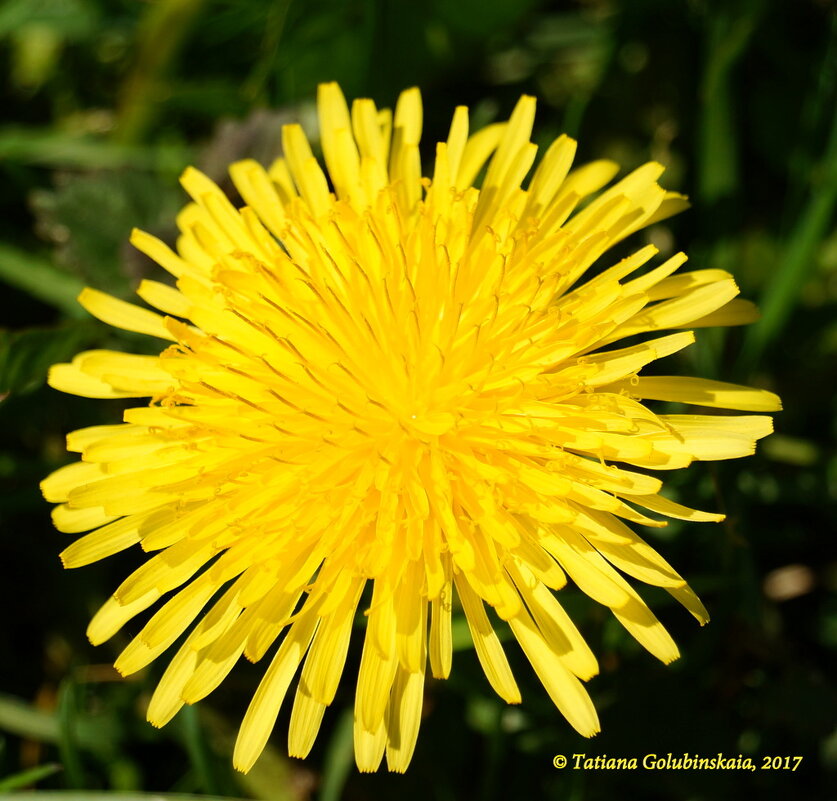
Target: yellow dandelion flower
(383,381)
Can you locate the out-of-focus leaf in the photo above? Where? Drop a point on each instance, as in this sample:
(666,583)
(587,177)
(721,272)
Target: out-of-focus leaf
(728,33)
(72,19)
(560,31)
(38,30)
(209,99)
(791,450)
(21,718)
(478,18)
(163,29)
(573,50)
(68,747)
(200,757)
(799,258)
(28,777)
(460,635)
(274,777)
(68,150)
(341,44)
(338,761)
(87,795)
(25,356)
(41,279)
(89,219)
(37,50)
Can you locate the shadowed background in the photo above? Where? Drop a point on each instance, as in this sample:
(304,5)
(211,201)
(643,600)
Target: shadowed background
(106,101)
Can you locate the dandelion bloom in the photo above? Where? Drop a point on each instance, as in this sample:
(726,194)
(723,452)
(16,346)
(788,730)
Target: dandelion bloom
(387,383)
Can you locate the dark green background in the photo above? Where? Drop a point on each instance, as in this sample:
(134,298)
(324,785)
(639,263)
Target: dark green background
(107,100)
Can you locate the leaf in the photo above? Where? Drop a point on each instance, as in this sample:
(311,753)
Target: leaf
(36,55)
(72,151)
(273,778)
(728,35)
(68,747)
(41,279)
(813,226)
(89,219)
(339,758)
(25,720)
(200,755)
(72,19)
(87,795)
(26,356)
(478,19)
(28,777)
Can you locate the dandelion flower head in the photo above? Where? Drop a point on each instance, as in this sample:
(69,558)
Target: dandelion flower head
(387,396)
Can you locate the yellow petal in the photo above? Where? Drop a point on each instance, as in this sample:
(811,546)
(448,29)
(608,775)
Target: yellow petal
(490,652)
(369,746)
(123,315)
(166,298)
(565,690)
(325,661)
(306,717)
(554,624)
(113,615)
(441,644)
(306,173)
(669,508)
(72,521)
(702,392)
(378,662)
(404,718)
(261,714)
(155,249)
(102,543)
(71,379)
(57,486)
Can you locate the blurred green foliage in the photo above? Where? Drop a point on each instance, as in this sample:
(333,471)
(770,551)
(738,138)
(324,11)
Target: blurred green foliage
(107,100)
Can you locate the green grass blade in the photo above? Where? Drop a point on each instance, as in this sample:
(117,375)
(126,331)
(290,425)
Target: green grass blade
(727,37)
(338,761)
(39,278)
(20,718)
(26,355)
(68,746)
(198,749)
(798,260)
(28,777)
(31,145)
(162,31)
(87,795)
